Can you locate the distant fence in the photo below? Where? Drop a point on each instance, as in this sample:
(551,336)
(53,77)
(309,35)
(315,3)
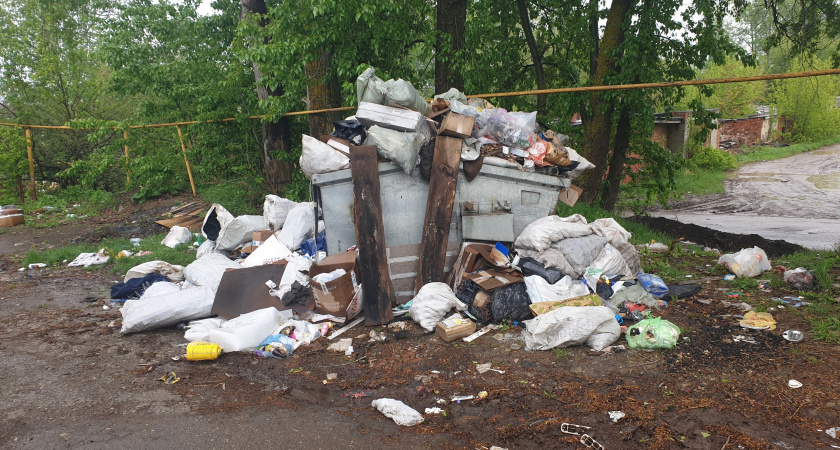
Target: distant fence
(779,76)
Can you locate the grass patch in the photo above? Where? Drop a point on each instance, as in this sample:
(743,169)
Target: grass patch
(55,257)
(766,153)
(238,198)
(55,205)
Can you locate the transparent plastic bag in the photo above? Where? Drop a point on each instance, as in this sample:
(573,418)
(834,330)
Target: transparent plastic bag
(749,262)
(653,333)
(653,284)
(512,129)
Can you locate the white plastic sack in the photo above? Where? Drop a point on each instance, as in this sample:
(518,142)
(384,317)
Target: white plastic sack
(295,266)
(453,94)
(583,166)
(215,220)
(400,147)
(207,271)
(402,414)
(245,331)
(299,223)
(207,247)
(540,290)
(611,262)
(593,325)
(199,330)
(238,231)
(432,303)
(171,271)
(611,230)
(318,157)
(749,262)
(272,250)
(370,88)
(403,93)
(275,210)
(89,259)
(177,235)
(156,311)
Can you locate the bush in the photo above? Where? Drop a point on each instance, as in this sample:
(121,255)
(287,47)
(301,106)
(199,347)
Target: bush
(713,159)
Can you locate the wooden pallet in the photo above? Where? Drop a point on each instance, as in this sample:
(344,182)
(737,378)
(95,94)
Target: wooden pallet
(190,215)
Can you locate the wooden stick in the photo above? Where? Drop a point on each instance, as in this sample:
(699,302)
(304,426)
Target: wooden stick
(439,205)
(31,164)
(377,289)
(186,161)
(125,138)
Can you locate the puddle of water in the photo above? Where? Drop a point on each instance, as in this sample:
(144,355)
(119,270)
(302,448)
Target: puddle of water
(752,177)
(826,181)
(824,151)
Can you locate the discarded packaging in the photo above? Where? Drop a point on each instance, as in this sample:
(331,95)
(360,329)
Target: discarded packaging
(615,416)
(793,335)
(177,235)
(91,259)
(758,321)
(203,351)
(653,333)
(454,327)
(402,414)
(170,378)
(749,262)
(801,279)
(593,325)
(431,304)
(793,384)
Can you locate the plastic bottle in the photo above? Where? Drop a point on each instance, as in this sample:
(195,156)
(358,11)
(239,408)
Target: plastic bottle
(203,351)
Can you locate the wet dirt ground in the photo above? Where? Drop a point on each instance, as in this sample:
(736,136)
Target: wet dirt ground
(795,199)
(70,380)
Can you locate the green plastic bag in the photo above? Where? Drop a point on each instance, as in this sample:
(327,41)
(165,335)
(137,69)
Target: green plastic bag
(652,333)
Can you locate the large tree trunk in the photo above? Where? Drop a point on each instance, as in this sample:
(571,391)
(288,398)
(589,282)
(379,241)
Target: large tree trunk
(323,92)
(451,25)
(536,55)
(276,135)
(596,136)
(619,155)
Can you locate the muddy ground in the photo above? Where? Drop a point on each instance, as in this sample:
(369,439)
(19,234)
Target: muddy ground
(71,380)
(796,199)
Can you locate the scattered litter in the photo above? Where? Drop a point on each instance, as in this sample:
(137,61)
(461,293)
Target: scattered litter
(653,333)
(90,259)
(105,307)
(758,321)
(833,432)
(332,376)
(588,441)
(460,398)
(615,416)
(801,279)
(341,330)
(434,410)
(170,378)
(402,414)
(741,338)
(577,430)
(177,235)
(748,262)
(37,265)
(793,384)
(202,351)
(793,335)
(342,345)
(728,277)
(483,368)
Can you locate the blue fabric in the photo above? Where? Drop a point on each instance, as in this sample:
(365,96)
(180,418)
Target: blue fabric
(135,287)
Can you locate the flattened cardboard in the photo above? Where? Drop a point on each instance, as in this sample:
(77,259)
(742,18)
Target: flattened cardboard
(244,290)
(469,260)
(493,279)
(260,236)
(340,297)
(457,125)
(570,195)
(584,300)
(369,114)
(11,220)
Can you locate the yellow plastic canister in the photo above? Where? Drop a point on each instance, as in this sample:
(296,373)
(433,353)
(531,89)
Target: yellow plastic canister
(203,351)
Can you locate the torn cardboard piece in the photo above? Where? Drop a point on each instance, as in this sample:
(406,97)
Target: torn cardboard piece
(341,297)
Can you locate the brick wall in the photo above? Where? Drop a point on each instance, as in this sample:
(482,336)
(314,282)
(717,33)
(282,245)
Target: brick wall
(743,132)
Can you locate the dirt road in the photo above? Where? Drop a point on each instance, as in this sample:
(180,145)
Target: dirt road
(796,199)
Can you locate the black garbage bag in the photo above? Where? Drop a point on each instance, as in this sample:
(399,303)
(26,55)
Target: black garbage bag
(511,302)
(351,130)
(531,266)
(680,291)
(296,296)
(427,154)
(479,303)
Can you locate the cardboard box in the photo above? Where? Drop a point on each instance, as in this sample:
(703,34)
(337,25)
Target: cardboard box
(584,300)
(12,220)
(492,279)
(469,260)
(457,125)
(454,327)
(260,236)
(340,297)
(248,249)
(570,195)
(370,114)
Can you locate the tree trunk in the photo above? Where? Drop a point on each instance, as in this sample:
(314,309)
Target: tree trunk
(536,55)
(276,135)
(323,92)
(451,37)
(596,136)
(619,155)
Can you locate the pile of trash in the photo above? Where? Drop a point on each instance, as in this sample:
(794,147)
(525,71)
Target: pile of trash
(395,118)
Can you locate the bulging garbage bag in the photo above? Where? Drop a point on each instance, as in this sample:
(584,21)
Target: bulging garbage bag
(431,304)
(749,262)
(653,333)
(177,235)
(298,225)
(801,279)
(156,310)
(403,93)
(370,88)
(318,157)
(275,210)
(653,284)
(401,147)
(572,325)
(217,217)
(238,231)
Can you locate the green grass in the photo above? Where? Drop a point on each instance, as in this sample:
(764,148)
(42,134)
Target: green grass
(70,200)
(238,198)
(765,153)
(55,257)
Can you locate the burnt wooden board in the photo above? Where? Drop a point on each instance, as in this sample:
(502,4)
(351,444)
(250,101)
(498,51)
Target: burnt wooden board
(243,290)
(377,291)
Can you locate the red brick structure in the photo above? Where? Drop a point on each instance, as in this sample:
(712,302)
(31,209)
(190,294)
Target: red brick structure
(744,132)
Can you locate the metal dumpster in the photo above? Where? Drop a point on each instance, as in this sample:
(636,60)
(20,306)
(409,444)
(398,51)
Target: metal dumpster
(496,206)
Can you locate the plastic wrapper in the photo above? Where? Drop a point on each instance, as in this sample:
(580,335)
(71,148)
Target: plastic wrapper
(749,262)
(653,284)
(653,333)
(177,235)
(801,279)
(453,94)
(400,147)
(511,302)
(402,414)
(538,152)
(540,290)
(531,266)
